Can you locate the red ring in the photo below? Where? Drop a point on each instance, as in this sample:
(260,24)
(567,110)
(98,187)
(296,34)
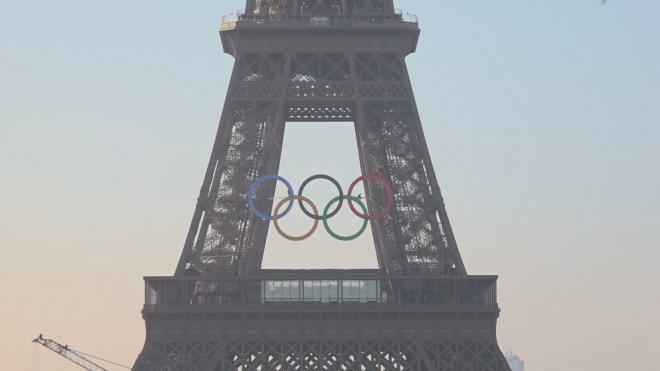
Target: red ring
(390,196)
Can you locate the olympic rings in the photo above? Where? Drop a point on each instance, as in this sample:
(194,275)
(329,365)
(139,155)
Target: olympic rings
(334,182)
(388,188)
(253,190)
(327,215)
(327,226)
(276,218)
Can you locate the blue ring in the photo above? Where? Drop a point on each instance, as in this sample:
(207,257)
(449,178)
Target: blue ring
(253,190)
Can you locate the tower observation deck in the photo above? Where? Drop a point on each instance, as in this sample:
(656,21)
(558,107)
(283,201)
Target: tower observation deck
(330,61)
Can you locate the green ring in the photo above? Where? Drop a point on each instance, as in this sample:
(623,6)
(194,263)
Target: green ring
(325,219)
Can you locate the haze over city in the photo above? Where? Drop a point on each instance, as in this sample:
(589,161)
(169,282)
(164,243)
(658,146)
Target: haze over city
(542,120)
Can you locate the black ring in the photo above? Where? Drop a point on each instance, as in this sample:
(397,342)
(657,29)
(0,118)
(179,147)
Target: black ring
(331,180)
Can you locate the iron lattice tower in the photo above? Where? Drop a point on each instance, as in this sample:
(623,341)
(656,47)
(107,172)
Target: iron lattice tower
(320,60)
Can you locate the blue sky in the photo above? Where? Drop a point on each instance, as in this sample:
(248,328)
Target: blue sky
(543,120)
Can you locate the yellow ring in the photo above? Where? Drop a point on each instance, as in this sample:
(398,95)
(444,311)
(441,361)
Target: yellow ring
(277,224)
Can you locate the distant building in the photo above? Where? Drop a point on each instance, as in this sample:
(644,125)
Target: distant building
(515,362)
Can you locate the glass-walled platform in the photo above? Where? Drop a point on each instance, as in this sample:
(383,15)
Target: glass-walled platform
(320,289)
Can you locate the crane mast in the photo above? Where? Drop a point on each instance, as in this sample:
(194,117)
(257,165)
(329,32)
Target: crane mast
(68,353)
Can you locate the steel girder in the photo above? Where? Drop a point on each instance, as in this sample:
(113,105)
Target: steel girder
(334,61)
(292,7)
(317,355)
(371,89)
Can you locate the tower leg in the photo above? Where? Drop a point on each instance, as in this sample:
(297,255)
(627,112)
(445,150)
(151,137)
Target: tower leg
(416,236)
(225,236)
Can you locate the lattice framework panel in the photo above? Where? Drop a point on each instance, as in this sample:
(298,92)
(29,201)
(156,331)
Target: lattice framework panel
(317,355)
(371,89)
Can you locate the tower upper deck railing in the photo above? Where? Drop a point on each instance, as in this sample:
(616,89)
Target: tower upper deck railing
(316,20)
(322,289)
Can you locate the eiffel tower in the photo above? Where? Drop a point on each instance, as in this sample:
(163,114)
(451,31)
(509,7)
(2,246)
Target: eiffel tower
(320,61)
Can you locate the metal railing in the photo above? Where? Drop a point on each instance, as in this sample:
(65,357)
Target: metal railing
(176,292)
(316,20)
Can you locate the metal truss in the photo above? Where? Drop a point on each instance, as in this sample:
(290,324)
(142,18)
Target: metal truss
(319,6)
(371,89)
(333,61)
(380,355)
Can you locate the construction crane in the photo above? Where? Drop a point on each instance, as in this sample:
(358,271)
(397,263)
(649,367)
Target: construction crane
(68,353)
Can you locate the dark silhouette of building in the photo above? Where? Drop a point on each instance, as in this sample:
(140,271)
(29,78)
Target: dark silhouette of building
(321,60)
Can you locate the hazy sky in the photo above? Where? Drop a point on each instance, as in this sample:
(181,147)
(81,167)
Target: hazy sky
(543,119)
